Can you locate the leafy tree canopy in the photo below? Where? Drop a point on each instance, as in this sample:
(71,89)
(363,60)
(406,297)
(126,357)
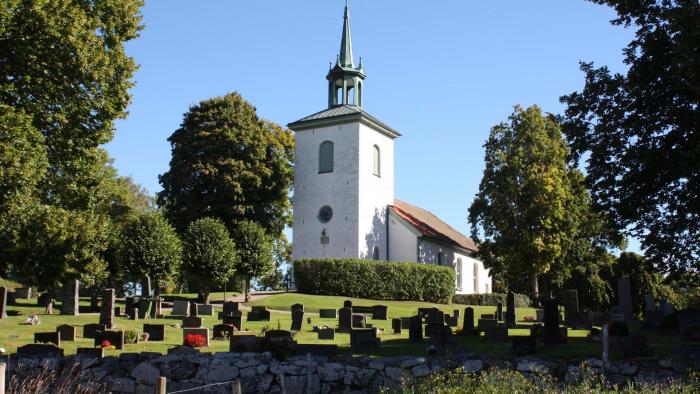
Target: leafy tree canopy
(254,251)
(229,164)
(641,131)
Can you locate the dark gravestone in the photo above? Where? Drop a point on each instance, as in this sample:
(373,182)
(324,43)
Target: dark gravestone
(67,332)
(435,316)
(328,313)
(223,331)
(3,302)
(145,306)
(452,321)
(345,319)
(297,318)
(233,320)
(117,311)
(10,298)
(36,350)
(107,308)
(156,332)
(496,334)
(624,299)
(367,310)
(244,343)
(441,337)
(405,323)
(90,330)
(510,311)
(326,334)
(689,325)
(42,301)
(48,337)
(115,338)
(499,311)
(259,313)
(415,331)
(129,304)
(71,300)
(181,308)
(432,329)
(379,312)
(279,343)
(157,310)
(347,304)
(489,316)
(191,322)
(87,353)
(423,312)
(205,310)
(487,323)
(455,313)
(24,293)
(571,307)
(146,287)
(230,308)
(552,333)
(297,307)
(524,345)
(359,321)
(468,325)
(396,325)
(619,329)
(364,340)
(537,330)
(193,308)
(134,314)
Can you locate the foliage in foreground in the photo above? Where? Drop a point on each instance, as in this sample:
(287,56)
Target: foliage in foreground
(512,382)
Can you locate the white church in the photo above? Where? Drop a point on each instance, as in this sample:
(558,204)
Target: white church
(344,204)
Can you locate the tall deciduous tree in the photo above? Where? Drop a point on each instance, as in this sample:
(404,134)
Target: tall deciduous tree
(519,216)
(209,257)
(229,164)
(641,131)
(254,252)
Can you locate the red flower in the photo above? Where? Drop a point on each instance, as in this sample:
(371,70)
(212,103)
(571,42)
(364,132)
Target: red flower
(195,340)
(106,343)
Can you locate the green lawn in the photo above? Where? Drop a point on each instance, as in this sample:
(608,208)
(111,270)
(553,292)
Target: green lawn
(12,334)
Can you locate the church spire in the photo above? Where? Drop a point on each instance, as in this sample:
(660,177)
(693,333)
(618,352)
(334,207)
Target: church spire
(346,58)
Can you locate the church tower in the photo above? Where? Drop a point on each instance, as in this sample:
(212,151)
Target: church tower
(344,170)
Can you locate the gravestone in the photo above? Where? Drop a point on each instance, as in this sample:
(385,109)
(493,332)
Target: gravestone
(297,318)
(279,343)
(144,309)
(3,302)
(396,325)
(441,337)
(222,331)
(359,321)
(48,337)
(181,308)
(10,300)
(191,322)
(570,307)
(455,313)
(115,338)
(347,304)
(87,353)
(668,309)
(328,313)
(205,310)
(204,332)
(326,333)
(364,340)
(233,320)
(297,307)
(71,299)
(510,311)
(259,313)
(552,333)
(487,323)
(499,311)
(489,316)
(524,345)
(39,351)
(539,313)
(146,290)
(619,329)
(432,329)
(435,316)
(649,304)
(134,314)
(689,325)
(452,321)
(624,299)
(468,325)
(117,311)
(193,308)
(156,332)
(129,304)
(379,312)
(24,293)
(230,308)
(107,308)
(157,310)
(345,319)
(496,334)
(415,331)
(405,323)
(90,330)
(537,330)
(43,299)
(66,332)
(244,343)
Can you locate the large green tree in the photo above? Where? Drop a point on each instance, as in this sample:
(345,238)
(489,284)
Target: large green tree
(254,253)
(519,216)
(229,164)
(640,132)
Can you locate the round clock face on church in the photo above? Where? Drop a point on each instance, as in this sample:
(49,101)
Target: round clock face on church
(325,214)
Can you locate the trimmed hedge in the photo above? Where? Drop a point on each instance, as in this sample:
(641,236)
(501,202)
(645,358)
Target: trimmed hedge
(378,280)
(521,300)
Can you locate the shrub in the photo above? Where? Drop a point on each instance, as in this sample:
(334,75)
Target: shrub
(377,280)
(521,300)
(131,336)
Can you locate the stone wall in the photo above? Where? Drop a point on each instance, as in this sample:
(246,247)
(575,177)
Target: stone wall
(187,368)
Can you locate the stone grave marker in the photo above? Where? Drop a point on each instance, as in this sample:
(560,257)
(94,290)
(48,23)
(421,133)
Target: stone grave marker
(204,332)
(191,322)
(116,338)
(193,308)
(415,331)
(441,337)
(71,299)
(90,330)
(345,319)
(432,329)
(624,299)
(552,333)
(452,321)
(455,313)
(43,300)
(233,320)
(689,325)
(571,307)
(107,308)
(222,331)
(279,343)
(157,311)
(488,316)
(134,314)
(499,311)
(86,353)
(496,334)
(423,312)
(364,340)
(347,304)
(326,333)
(145,308)
(539,313)
(67,332)
(156,332)
(524,345)
(435,316)
(259,313)
(328,313)
(24,293)
(380,312)
(510,311)
(668,309)
(10,300)
(129,304)
(468,325)
(359,321)
(230,308)
(405,323)
(146,290)
(537,330)
(117,311)
(396,325)
(487,323)
(205,310)
(649,304)
(36,350)
(297,318)
(3,302)
(48,337)
(181,308)
(297,307)
(244,343)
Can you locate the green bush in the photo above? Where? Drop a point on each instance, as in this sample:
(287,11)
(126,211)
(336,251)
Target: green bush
(521,300)
(378,280)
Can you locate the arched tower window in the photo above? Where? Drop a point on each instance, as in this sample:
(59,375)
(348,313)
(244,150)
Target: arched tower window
(325,157)
(458,269)
(440,258)
(377,157)
(476,278)
(375,253)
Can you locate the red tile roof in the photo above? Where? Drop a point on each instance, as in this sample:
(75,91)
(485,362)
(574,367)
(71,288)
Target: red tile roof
(432,226)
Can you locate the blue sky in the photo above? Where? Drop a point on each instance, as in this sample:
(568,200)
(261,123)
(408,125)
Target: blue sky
(441,72)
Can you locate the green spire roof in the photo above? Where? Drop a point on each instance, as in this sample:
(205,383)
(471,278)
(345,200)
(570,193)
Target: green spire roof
(346,59)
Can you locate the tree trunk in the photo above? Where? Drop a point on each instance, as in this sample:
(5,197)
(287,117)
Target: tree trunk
(535,290)
(246,291)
